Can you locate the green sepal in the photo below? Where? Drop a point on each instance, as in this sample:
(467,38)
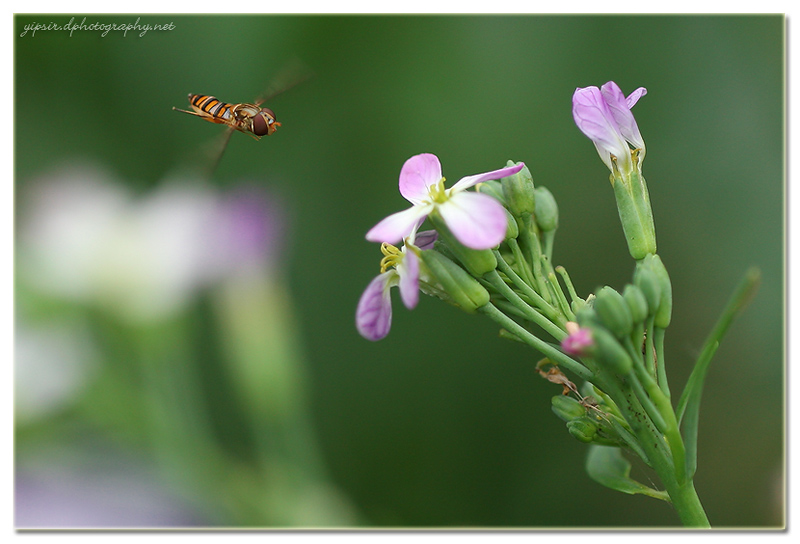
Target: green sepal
(607,466)
(633,204)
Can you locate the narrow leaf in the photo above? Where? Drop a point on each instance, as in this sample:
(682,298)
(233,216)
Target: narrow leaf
(689,403)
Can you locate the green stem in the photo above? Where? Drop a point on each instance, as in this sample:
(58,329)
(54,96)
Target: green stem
(497,282)
(546,349)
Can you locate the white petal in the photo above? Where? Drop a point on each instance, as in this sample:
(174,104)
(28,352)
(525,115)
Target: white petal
(398,225)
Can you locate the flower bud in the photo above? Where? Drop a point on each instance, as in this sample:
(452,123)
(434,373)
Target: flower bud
(652,278)
(637,303)
(586,316)
(546,209)
(567,408)
(519,192)
(513,229)
(664,314)
(583,429)
(645,278)
(463,289)
(613,312)
(493,188)
(609,353)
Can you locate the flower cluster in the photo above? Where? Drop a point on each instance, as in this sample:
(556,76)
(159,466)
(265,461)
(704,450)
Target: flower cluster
(491,253)
(477,221)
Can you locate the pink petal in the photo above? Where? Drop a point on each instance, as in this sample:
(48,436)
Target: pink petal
(469,181)
(408,271)
(477,220)
(593,116)
(374,311)
(620,109)
(634,97)
(418,173)
(398,225)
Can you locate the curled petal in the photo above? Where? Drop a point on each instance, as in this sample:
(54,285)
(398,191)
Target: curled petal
(374,311)
(425,239)
(634,97)
(595,119)
(397,226)
(469,181)
(477,220)
(408,271)
(418,173)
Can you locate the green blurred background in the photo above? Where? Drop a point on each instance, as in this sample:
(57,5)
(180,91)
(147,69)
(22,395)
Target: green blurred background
(442,424)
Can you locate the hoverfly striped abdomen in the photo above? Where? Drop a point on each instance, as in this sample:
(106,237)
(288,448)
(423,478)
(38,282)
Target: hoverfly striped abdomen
(210,105)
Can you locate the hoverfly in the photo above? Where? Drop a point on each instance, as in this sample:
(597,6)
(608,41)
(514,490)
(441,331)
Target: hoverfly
(250,119)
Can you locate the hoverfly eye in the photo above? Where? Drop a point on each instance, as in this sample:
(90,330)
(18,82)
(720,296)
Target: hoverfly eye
(269,113)
(261,125)
(264,123)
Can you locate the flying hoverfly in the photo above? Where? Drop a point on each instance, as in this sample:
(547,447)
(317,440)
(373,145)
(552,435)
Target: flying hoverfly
(250,119)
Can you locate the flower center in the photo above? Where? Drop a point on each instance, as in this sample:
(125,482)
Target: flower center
(437,192)
(392,257)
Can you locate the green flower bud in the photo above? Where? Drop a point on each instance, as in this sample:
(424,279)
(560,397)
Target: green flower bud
(493,188)
(462,288)
(513,229)
(646,279)
(637,302)
(518,192)
(663,315)
(477,261)
(583,429)
(567,408)
(613,312)
(609,353)
(546,209)
(586,315)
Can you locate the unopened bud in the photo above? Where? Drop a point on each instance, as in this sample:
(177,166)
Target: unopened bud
(613,312)
(519,192)
(567,408)
(546,209)
(637,303)
(609,353)
(583,429)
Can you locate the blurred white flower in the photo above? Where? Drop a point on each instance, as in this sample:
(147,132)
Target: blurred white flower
(52,364)
(86,238)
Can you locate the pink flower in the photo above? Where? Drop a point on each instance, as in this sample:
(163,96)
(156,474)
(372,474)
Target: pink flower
(579,341)
(399,267)
(604,115)
(476,220)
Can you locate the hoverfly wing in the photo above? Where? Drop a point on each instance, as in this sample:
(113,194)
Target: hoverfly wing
(216,150)
(293,74)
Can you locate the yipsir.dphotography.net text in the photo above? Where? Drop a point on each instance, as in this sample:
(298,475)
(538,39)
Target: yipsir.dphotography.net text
(104,28)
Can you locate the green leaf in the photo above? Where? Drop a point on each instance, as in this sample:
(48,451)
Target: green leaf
(606,465)
(688,411)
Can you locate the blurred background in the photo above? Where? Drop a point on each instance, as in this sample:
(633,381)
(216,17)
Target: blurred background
(185,349)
